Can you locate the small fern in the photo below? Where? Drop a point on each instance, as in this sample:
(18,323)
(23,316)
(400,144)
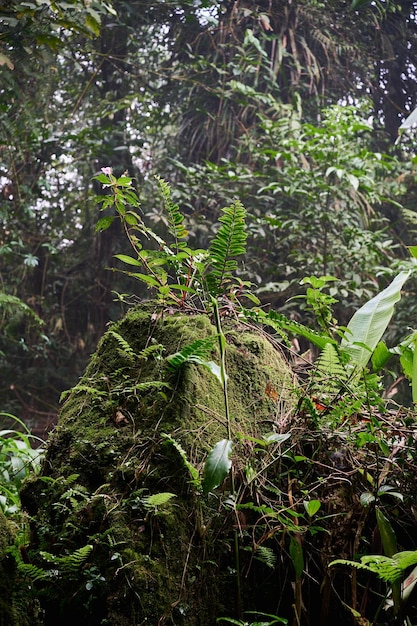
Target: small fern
(389,569)
(195,476)
(157,500)
(266,556)
(69,564)
(193,352)
(175,217)
(34,573)
(124,348)
(154,349)
(329,374)
(228,243)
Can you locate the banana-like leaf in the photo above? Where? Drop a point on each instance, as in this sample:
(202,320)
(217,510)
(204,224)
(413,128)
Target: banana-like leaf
(217,465)
(409,121)
(369,323)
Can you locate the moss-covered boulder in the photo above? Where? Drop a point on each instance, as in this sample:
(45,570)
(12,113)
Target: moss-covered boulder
(17,606)
(120,525)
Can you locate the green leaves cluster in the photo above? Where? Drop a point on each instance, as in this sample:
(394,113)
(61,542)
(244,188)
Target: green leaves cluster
(177,272)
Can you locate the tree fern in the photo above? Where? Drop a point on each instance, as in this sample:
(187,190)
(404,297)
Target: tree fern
(266,555)
(228,243)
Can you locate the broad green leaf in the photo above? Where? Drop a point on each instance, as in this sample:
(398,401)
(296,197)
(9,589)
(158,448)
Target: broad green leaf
(311,506)
(388,538)
(413,249)
(211,366)
(104,223)
(389,545)
(380,356)
(296,554)
(128,259)
(369,323)
(217,465)
(367,498)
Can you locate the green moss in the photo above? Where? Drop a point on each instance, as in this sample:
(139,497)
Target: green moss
(108,453)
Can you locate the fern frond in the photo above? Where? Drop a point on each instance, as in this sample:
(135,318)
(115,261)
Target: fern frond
(175,217)
(80,388)
(33,572)
(150,385)
(149,350)
(386,568)
(157,499)
(266,556)
(11,304)
(192,470)
(194,351)
(329,374)
(229,242)
(124,348)
(69,563)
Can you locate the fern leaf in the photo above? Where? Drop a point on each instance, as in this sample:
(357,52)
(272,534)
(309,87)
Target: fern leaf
(329,374)
(150,350)
(175,217)
(384,567)
(157,499)
(124,347)
(33,572)
(192,470)
(194,351)
(266,556)
(229,242)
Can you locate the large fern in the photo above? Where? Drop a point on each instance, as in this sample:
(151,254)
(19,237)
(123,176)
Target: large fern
(228,243)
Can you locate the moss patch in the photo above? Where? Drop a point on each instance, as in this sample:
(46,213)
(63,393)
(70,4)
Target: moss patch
(150,563)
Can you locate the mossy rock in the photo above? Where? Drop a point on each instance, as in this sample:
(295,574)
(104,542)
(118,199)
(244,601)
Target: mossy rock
(161,552)
(17,606)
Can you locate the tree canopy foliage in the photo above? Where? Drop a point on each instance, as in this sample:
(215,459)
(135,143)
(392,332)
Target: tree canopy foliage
(290,107)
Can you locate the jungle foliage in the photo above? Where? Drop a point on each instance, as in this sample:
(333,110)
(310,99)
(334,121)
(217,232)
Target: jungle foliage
(270,128)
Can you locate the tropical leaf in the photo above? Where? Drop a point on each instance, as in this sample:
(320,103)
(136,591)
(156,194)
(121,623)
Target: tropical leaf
(369,323)
(217,465)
